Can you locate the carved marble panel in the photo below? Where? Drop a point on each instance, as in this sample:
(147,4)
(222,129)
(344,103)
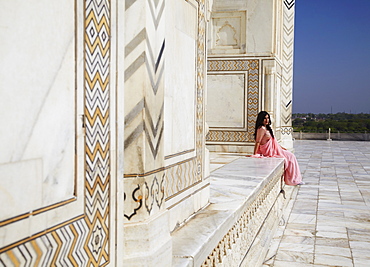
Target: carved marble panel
(250,67)
(228,34)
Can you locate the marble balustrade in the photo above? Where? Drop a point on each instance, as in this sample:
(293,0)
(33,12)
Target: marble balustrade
(245,208)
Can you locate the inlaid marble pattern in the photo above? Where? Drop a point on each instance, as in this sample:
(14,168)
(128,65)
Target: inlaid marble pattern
(180,177)
(145,48)
(286,130)
(252,80)
(83,240)
(147,197)
(144,121)
(201,76)
(287,70)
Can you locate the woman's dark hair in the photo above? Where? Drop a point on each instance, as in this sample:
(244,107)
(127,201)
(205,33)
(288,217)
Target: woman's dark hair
(259,122)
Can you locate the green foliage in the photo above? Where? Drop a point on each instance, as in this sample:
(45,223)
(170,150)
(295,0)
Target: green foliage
(320,123)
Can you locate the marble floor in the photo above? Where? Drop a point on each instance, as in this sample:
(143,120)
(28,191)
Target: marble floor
(328,223)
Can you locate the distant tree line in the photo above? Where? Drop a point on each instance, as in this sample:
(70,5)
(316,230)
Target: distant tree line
(339,122)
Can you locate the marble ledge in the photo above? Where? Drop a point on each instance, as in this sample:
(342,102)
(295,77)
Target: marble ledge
(233,188)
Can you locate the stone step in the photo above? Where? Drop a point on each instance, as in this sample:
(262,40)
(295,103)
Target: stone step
(243,193)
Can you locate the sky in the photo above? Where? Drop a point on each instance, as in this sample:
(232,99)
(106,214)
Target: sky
(331,56)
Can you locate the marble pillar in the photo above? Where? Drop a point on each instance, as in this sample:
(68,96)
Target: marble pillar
(58,137)
(165,173)
(144,175)
(287,74)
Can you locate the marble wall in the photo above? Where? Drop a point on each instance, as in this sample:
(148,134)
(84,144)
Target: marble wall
(242,97)
(180,81)
(58,185)
(227,98)
(227,31)
(241,31)
(39,112)
(187,186)
(164,123)
(250,22)
(104,104)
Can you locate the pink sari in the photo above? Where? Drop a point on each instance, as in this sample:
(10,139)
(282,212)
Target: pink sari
(292,174)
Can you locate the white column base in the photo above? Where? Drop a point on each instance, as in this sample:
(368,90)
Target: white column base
(148,243)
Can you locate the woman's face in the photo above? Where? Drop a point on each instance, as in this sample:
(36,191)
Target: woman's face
(266,120)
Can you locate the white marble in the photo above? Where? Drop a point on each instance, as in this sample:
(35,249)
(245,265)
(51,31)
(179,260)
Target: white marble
(233,188)
(37,82)
(333,260)
(227,30)
(182,206)
(226,98)
(339,233)
(259,22)
(180,89)
(21,176)
(144,246)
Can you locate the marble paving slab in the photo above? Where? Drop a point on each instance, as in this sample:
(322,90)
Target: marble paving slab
(329,223)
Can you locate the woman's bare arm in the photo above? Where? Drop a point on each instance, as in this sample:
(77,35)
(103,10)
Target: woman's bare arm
(260,133)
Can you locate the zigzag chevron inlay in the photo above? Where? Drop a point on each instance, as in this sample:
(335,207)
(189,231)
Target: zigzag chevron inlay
(289,4)
(144,118)
(62,247)
(153,130)
(252,66)
(201,75)
(287,71)
(82,242)
(156,14)
(180,177)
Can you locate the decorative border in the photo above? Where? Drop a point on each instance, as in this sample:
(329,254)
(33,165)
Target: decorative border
(286,130)
(162,184)
(228,136)
(289,4)
(252,67)
(35,212)
(84,240)
(144,115)
(182,175)
(179,153)
(201,75)
(287,62)
(242,234)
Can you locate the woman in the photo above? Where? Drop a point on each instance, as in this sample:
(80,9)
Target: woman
(267,146)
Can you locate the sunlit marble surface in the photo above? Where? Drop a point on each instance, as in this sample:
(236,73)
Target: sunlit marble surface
(38,116)
(232,187)
(329,221)
(180,89)
(226,100)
